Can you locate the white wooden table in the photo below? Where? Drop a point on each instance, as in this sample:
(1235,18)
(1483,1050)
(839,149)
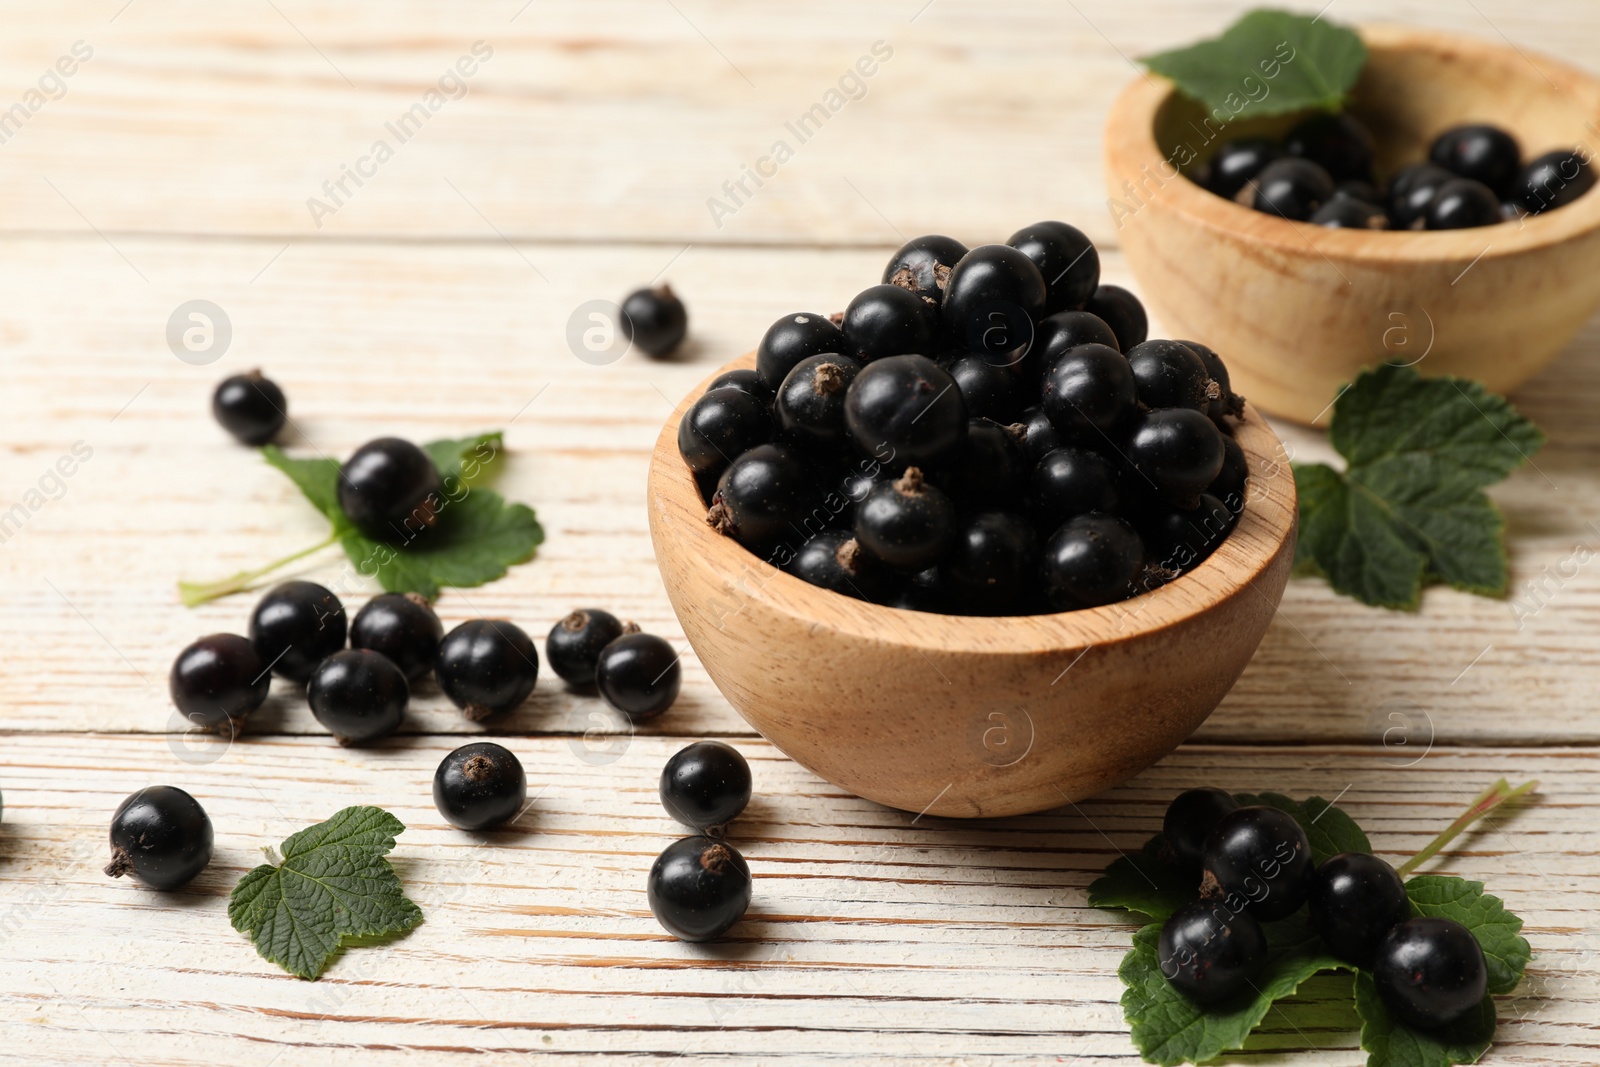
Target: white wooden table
(176,164)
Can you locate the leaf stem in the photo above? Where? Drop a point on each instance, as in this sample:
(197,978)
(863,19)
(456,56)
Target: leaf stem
(1496,796)
(197,593)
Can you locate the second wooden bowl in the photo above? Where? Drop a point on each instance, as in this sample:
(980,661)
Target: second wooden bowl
(965,716)
(1297,310)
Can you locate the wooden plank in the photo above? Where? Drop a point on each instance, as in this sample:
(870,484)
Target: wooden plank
(873,934)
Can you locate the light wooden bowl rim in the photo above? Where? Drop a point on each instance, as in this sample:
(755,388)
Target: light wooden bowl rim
(1131,146)
(1267,524)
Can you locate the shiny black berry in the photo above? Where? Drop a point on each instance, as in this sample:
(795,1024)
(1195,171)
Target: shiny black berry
(574,644)
(1066,258)
(1120,310)
(907,523)
(793,338)
(1190,818)
(1039,436)
(1356,189)
(992,564)
(1178,451)
(761,496)
(1057,334)
(988,390)
(852,488)
(810,406)
(1348,213)
(160,835)
(402,627)
(358,695)
(923,265)
(1210,953)
(251,407)
(905,410)
(1412,191)
(720,426)
(487,667)
(1356,899)
(887,320)
(1430,972)
(1089,394)
(705,785)
(1071,481)
(217,681)
(834,560)
(995,295)
(1339,144)
(639,675)
(1258,857)
(698,888)
(1091,560)
(988,468)
(744,379)
(923,591)
(1554,179)
(1168,374)
(655,320)
(1292,188)
(1462,204)
(1177,539)
(391,490)
(1223,401)
(479,786)
(1483,153)
(296,626)
(1237,162)
(1229,484)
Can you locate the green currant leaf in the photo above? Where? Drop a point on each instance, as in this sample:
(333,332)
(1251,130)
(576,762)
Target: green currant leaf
(472,460)
(1145,882)
(1391,1043)
(1329,830)
(1168,1028)
(1268,63)
(317,478)
(333,884)
(1504,949)
(477,537)
(1409,508)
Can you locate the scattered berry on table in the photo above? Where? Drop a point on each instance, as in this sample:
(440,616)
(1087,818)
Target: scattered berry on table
(698,888)
(160,835)
(358,695)
(402,627)
(1258,858)
(296,626)
(391,490)
(573,644)
(1430,972)
(487,667)
(1211,953)
(639,675)
(1190,818)
(251,407)
(479,786)
(706,785)
(655,320)
(1356,899)
(219,680)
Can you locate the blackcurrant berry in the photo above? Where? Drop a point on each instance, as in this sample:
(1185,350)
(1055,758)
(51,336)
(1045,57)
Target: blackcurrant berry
(296,626)
(1237,162)
(1071,481)
(852,488)
(793,338)
(1486,154)
(887,320)
(1091,560)
(923,591)
(1339,144)
(1120,310)
(1258,858)
(1210,953)
(834,560)
(988,468)
(706,785)
(358,695)
(655,320)
(402,627)
(219,680)
(487,667)
(1177,539)
(479,786)
(1226,402)
(1356,899)
(1066,258)
(1190,818)
(719,427)
(747,380)
(905,411)
(698,888)
(1039,436)
(251,407)
(1348,213)
(1554,179)
(1412,191)
(1229,484)
(761,496)
(391,490)
(1462,204)
(906,523)
(992,563)
(160,835)
(1056,335)
(1178,451)
(1167,374)
(988,390)
(923,265)
(810,406)
(1355,189)
(1430,972)
(639,675)
(995,293)
(1089,394)
(1292,188)
(573,645)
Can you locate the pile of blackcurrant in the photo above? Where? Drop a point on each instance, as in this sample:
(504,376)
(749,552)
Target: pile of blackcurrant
(700,886)
(1254,865)
(987,432)
(1322,172)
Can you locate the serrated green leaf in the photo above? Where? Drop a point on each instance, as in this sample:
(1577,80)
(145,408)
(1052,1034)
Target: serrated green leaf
(1302,62)
(1409,508)
(1328,829)
(317,478)
(1505,951)
(477,537)
(1145,882)
(1168,1028)
(334,884)
(472,460)
(1390,1043)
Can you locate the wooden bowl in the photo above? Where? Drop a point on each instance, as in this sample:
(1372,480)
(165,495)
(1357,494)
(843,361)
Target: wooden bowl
(964,716)
(1297,310)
